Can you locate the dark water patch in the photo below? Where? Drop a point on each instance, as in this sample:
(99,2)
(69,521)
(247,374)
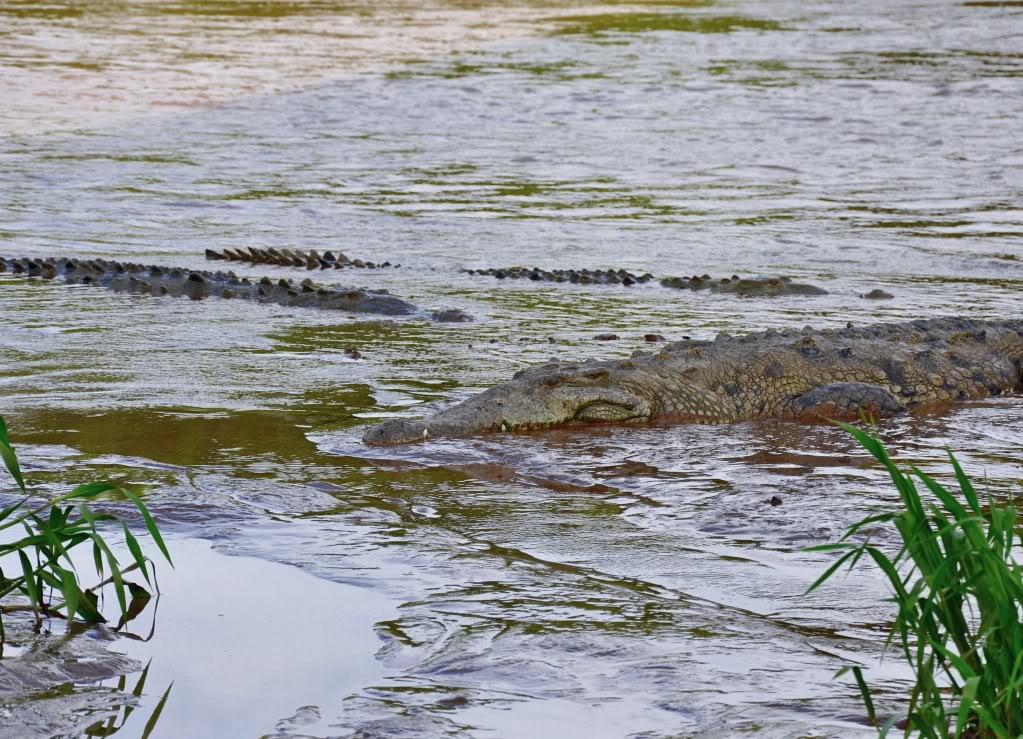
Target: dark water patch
(181,437)
(910,225)
(561,70)
(952,65)
(1009,283)
(32,9)
(638,22)
(968,234)
(250,8)
(199,8)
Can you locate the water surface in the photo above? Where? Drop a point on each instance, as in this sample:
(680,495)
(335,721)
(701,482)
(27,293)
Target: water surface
(614,582)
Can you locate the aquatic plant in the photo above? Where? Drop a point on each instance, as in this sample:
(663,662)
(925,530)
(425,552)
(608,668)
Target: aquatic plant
(46,575)
(959,594)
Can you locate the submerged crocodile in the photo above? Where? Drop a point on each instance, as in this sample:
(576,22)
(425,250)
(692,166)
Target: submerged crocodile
(575,276)
(198,284)
(746,287)
(880,369)
(311,259)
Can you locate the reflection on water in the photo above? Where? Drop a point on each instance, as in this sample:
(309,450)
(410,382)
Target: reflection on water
(232,646)
(68,65)
(622,581)
(119,720)
(237,632)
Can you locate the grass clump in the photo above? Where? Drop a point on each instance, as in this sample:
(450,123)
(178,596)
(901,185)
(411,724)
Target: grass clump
(959,593)
(42,568)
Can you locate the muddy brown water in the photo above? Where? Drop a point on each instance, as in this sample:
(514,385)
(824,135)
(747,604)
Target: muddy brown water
(601,583)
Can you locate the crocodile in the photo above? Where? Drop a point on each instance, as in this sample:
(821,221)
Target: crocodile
(878,369)
(746,287)
(311,259)
(199,284)
(575,276)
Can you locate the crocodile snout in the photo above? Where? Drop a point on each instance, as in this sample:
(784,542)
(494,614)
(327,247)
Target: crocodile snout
(396,431)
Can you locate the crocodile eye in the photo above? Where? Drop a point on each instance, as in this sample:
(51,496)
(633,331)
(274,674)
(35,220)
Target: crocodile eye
(551,381)
(599,373)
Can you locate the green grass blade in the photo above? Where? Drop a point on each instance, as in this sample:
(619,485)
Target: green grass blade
(30,587)
(888,568)
(97,555)
(150,524)
(892,720)
(829,572)
(89,490)
(966,520)
(69,588)
(53,540)
(50,579)
(115,572)
(991,724)
(9,457)
(88,608)
(946,498)
(868,521)
(964,484)
(6,512)
(868,702)
(966,704)
(56,518)
(136,551)
(97,559)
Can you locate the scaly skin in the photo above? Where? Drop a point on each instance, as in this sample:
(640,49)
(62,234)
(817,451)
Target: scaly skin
(198,284)
(743,287)
(755,287)
(311,259)
(833,373)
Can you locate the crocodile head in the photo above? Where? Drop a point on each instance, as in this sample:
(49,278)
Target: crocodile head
(536,398)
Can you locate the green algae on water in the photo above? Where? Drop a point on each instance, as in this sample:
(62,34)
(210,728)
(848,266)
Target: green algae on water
(602,23)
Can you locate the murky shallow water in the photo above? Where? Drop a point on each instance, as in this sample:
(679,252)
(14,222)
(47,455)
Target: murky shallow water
(615,582)
(201,667)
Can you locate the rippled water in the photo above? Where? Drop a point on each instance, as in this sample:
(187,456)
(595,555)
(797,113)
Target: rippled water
(613,582)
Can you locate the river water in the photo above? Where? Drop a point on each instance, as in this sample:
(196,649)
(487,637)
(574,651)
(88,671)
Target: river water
(600,583)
